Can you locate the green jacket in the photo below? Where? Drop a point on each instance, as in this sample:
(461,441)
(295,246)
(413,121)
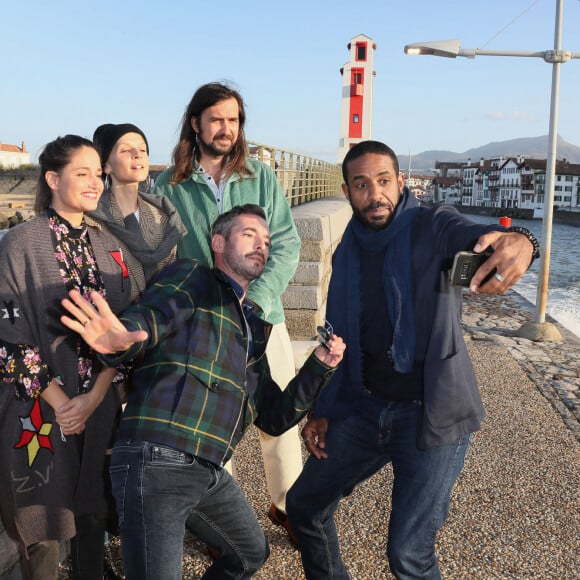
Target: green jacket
(198,209)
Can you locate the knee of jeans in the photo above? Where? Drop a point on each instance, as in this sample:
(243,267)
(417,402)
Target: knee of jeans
(406,560)
(297,507)
(292,499)
(255,558)
(396,557)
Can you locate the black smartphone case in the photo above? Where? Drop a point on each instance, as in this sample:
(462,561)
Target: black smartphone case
(465,264)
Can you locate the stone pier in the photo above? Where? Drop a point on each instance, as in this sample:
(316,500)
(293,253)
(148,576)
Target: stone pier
(320,225)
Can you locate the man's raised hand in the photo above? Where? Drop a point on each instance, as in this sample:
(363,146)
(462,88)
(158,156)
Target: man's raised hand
(97,324)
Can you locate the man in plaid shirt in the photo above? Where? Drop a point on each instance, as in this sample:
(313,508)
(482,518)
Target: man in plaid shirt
(202,380)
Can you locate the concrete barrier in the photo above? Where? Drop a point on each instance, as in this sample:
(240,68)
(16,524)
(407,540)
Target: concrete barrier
(320,225)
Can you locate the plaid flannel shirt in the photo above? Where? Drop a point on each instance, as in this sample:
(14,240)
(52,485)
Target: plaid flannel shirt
(194,389)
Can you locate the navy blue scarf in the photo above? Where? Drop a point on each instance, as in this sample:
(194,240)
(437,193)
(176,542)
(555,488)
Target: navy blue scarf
(343,309)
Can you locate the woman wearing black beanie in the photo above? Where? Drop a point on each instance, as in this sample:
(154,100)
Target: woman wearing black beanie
(148,226)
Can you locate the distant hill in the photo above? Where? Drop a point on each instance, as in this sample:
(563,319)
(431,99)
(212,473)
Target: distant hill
(536,147)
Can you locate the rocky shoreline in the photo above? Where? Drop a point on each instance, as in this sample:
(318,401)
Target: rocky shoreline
(15,208)
(553,367)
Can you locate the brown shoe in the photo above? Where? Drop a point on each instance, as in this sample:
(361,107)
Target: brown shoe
(213,553)
(279,518)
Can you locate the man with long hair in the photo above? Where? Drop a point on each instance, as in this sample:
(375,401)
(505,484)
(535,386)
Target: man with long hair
(211,173)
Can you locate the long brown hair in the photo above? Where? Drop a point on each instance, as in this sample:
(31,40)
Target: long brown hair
(183,155)
(55,156)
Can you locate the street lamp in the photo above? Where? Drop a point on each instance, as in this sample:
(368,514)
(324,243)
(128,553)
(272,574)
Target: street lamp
(540,330)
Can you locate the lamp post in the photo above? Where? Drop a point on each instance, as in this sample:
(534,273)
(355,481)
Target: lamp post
(540,330)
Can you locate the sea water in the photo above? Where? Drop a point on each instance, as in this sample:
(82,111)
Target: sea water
(563,302)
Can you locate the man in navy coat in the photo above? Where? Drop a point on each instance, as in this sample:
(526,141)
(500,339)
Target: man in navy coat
(406,393)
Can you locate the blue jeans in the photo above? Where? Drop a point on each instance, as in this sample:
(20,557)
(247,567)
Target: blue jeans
(157,489)
(377,433)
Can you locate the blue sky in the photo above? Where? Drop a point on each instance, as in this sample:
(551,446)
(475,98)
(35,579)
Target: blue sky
(70,66)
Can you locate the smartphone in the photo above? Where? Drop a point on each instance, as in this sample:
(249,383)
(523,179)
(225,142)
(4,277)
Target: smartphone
(325,333)
(465,264)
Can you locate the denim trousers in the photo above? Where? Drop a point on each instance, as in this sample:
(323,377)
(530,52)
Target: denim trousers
(376,433)
(157,490)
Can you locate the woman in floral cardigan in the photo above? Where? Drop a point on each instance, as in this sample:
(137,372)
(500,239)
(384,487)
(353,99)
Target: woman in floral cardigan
(57,406)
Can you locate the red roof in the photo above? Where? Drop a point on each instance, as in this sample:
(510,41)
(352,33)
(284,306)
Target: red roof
(10,148)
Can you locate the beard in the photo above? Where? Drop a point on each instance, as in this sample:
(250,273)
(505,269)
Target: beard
(243,267)
(378,223)
(215,148)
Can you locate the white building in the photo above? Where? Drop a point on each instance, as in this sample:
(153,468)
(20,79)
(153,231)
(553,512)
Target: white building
(467,184)
(12,156)
(567,186)
(447,190)
(531,196)
(510,183)
(481,192)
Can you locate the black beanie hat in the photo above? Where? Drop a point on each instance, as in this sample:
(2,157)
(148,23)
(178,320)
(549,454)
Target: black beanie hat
(105,137)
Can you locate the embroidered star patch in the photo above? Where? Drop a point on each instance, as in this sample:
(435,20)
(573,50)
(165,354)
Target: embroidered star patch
(35,433)
(9,312)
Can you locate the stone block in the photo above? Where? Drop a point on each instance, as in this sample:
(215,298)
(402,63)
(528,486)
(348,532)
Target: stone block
(308,273)
(323,219)
(302,324)
(312,251)
(312,228)
(308,297)
(312,273)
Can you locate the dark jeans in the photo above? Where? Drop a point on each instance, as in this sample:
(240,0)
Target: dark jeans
(88,547)
(157,490)
(377,433)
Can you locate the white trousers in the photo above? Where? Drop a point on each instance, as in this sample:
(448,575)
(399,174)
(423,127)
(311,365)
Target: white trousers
(283,454)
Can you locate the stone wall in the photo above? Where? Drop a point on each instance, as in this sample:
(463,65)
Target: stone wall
(320,225)
(571,218)
(17,192)
(516,213)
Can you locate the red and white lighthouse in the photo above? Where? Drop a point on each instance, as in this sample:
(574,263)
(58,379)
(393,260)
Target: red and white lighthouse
(357,94)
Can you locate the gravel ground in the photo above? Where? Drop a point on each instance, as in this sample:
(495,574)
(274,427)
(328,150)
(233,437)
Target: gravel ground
(514,512)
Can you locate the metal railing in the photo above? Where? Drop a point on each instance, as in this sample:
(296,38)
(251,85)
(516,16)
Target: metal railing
(302,178)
